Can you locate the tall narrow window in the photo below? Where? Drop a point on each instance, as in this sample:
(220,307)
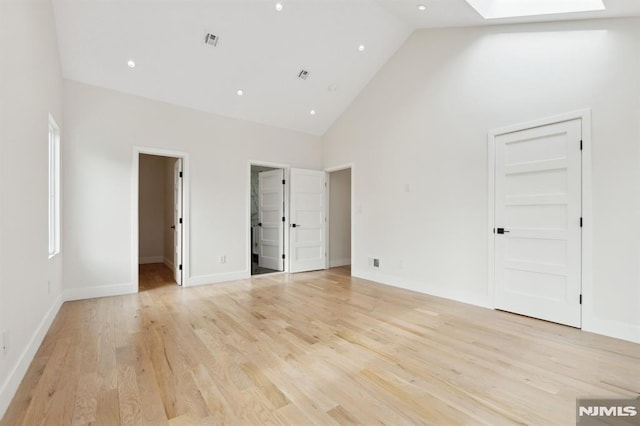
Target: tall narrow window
(54,187)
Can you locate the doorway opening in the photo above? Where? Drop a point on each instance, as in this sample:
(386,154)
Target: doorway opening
(339,215)
(267,219)
(159,202)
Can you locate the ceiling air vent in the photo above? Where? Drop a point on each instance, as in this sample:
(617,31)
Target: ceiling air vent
(303,74)
(211,39)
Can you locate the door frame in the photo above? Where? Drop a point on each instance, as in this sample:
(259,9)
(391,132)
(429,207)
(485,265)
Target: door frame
(587,215)
(248,250)
(135,189)
(328,171)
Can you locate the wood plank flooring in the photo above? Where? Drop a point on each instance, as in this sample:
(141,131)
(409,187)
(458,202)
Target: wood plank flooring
(315,348)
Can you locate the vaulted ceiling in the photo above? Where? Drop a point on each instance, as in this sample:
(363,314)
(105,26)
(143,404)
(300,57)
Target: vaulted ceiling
(260,50)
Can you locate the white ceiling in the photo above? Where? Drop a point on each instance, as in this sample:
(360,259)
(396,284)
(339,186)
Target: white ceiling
(260,50)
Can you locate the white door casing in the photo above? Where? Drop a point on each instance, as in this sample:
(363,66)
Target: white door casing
(177,220)
(307,220)
(538,188)
(271,219)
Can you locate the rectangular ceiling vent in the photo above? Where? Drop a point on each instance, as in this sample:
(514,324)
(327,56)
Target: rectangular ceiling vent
(303,74)
(211,39)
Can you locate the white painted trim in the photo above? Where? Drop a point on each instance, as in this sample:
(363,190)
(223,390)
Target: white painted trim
(169,263)
(135,175)
(218,278)
(616,329)
(336,263)
(150,259)
(328,171)
(16,375)
(287,174)
(420,287)
(491,216)
(588,316)
(327,215)
(83,293)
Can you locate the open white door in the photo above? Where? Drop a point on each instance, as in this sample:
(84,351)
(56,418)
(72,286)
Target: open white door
(538,235)
(307,221)
(271,219)
(177,220)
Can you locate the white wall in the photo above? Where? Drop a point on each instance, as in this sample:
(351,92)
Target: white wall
(30,89)
(102,127)
(340,218)
(423,121)
(169,164)
(151,208)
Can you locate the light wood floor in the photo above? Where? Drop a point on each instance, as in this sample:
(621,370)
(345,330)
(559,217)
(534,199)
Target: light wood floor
(315,348)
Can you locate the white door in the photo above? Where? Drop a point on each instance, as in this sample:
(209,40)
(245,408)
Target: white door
(177,220)
(307,221)
(538,186)
(271,219)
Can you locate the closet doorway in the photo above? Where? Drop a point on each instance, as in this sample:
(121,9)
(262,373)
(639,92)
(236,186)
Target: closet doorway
(267,219)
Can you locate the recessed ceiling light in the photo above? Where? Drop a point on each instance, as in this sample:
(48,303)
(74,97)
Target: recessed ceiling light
(496,9)
(131,64)
(361,48)
(312,112)
(422,7)
(279,6)
(240,92)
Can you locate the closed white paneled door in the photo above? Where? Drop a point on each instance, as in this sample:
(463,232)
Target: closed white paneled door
(271,219)
(307,221)
(538,186)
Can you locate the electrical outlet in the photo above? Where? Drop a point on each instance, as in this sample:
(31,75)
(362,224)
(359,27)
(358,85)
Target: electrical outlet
(376,263)
(222,259)
(5,341)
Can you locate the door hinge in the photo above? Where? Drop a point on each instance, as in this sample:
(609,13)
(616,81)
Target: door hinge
(283,218)
(180,220)
(580,222)
(283,256)
(180,267)
(580,144)
(581,299)
(283,181)
(180,174)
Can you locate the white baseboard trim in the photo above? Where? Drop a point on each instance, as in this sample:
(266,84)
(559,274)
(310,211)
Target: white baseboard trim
(150,259)
(609,328)
(218,278)
(169,264)
(616,329)
(102,291)
(11,384)
(336,263)
(420,287)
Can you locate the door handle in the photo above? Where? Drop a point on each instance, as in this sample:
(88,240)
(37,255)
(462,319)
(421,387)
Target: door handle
(259,223)
(173,227)
(293,225)
(501,231)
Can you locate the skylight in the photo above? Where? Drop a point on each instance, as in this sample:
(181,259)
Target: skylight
(496,9)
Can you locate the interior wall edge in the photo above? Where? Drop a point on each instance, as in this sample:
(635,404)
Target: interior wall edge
(16,375)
